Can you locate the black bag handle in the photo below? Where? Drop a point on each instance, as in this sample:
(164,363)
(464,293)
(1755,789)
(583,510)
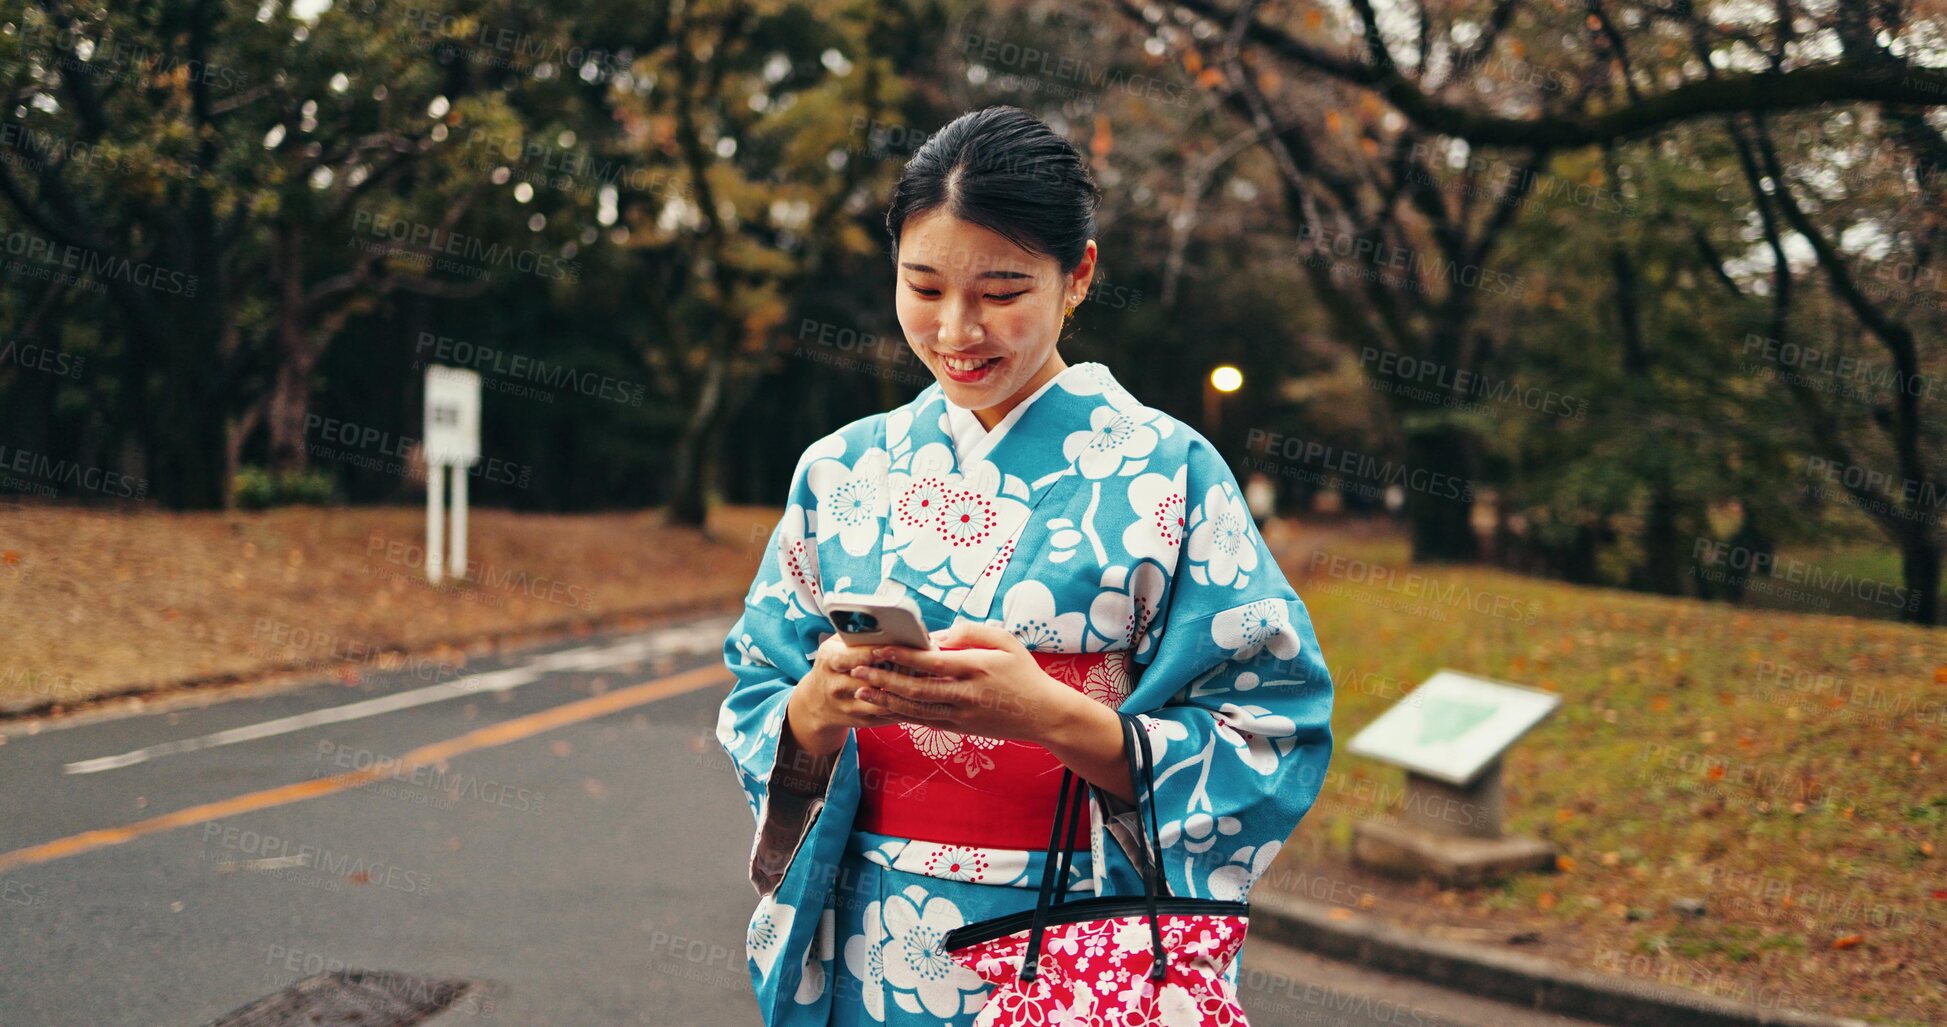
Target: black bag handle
(1060,856)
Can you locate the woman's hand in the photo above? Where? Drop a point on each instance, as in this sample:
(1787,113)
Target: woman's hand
(824,705)
(990,685)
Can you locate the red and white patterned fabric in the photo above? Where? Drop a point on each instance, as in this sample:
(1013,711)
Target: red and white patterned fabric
(969,790)
(1097,972)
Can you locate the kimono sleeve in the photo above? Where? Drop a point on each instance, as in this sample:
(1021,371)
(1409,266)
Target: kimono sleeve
(1242,741)
(768,650)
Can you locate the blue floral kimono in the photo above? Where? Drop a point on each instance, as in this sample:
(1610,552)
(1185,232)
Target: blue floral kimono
(1085,522)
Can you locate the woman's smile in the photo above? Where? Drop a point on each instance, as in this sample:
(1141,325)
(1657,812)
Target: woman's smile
(967,371)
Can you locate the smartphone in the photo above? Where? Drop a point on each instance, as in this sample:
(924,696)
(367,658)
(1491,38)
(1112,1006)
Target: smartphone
(877,620)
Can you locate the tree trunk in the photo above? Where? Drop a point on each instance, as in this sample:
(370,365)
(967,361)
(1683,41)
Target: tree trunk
(236,434)
(689,501)
(190,421)
(1579,565)
(1442,511)
(290,396)
(1662,568)
(1920,557)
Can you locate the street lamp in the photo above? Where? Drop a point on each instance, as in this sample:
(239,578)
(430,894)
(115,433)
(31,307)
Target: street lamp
(1224,379)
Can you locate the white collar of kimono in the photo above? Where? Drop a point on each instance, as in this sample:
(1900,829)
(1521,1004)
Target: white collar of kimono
(971,441)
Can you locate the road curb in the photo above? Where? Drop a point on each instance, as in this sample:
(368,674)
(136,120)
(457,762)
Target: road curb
(1524,980)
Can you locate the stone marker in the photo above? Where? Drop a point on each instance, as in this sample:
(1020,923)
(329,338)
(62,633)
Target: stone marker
(1449,735)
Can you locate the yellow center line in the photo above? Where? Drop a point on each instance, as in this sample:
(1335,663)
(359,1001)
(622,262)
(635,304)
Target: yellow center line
(482,738)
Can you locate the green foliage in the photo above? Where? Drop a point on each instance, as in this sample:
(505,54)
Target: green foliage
(255,488)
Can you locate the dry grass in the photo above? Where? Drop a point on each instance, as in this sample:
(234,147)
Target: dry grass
(96,603)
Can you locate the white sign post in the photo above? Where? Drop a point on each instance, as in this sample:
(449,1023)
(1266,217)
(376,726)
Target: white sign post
(451,439)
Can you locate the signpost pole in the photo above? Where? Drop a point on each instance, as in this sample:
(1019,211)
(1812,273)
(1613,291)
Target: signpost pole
(435,519)
(452,439)
(459,521)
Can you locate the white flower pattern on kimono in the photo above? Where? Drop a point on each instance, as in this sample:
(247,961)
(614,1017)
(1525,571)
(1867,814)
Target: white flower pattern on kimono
(1233,880)
(1029,614)
(748,652)
(1123,614)
(812,984)
(1198,832)
(1092,379)
(1222,550)
(1248,629)
(1259,737)
(1158,531)
(798,559)
(748,655)
(920,502)
(920,973)
(950,530)
(769,925)
(865,957)
(1063,538)
(1162,731)
(1116,442)
(957,862)
(850,501)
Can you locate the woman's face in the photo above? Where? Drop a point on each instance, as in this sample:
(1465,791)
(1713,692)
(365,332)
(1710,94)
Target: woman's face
(982,313)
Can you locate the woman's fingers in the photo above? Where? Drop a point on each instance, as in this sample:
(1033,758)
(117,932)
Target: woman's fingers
(909,708)
(977,636)
(882,678)
(928,661)
(866,714)
(840,658)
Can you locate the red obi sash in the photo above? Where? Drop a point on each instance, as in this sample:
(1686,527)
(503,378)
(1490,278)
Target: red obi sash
(942,786)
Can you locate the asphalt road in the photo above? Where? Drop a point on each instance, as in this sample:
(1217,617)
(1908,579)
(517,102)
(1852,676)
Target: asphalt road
(579,852)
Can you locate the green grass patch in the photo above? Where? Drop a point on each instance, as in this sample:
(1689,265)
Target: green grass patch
(1783,769)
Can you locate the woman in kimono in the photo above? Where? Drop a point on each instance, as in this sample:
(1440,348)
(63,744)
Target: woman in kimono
(1074,552)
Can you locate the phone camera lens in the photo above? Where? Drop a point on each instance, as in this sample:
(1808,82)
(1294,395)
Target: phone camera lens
(854,622)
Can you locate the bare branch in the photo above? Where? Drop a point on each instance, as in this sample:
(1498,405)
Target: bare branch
(1846,81)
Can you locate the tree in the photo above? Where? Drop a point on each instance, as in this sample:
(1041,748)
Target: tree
(757,113)
(181,153)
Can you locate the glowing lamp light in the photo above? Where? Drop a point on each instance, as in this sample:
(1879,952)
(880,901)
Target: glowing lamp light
(1226,378)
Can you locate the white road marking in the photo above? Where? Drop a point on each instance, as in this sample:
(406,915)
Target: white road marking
(695,638)
(270,863)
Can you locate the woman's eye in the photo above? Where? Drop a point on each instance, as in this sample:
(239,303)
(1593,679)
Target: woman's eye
(931,293)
